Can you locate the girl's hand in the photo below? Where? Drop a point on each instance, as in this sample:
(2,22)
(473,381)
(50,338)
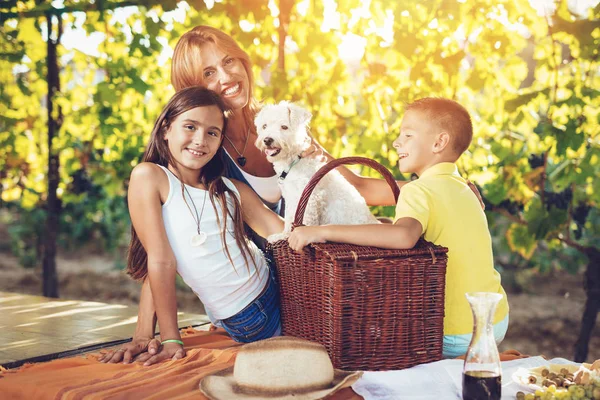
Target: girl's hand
(127,352)
(305,235)
(169,351)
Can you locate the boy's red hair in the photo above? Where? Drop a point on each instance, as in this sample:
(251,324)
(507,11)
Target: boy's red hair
(449,116)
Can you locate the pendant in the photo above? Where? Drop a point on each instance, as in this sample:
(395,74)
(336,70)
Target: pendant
(241,160)
(197,239)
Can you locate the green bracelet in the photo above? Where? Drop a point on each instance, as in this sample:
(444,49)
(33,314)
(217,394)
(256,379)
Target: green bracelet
(172,341)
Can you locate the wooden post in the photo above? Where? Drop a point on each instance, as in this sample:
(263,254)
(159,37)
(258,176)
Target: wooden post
(50,277)
(592,304)
(285,10)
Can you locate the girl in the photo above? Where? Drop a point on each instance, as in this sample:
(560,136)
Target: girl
(188,219)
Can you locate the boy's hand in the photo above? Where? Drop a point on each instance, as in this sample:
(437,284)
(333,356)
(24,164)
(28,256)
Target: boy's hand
(305,235)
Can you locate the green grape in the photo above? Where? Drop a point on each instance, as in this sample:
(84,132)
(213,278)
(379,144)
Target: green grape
(588,391)
(561,394)
(572,389)
(578,393)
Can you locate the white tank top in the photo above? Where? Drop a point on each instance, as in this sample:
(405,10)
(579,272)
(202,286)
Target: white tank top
(222,288)
(267,188)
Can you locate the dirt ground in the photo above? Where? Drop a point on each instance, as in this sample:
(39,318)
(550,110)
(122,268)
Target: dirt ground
(544,320)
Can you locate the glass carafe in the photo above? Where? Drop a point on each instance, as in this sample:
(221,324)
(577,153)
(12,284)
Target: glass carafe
(482,371)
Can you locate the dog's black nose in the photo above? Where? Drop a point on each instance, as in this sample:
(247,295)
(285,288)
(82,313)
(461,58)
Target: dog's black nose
(268,141)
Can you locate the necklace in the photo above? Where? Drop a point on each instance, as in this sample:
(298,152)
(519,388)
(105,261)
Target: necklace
(241,159)
(199,237)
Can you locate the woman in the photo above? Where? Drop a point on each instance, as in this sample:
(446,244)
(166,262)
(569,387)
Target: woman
(209,57)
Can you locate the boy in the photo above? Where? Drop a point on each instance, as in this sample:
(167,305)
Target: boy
(441,207)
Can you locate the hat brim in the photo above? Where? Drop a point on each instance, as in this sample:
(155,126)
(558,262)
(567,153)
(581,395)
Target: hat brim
(221,386)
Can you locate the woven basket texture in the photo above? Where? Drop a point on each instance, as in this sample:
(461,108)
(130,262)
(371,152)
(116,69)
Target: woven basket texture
(373,309)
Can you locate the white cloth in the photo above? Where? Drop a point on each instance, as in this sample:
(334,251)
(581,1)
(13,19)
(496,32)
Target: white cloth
(267,188)
(440,380)
(223,289)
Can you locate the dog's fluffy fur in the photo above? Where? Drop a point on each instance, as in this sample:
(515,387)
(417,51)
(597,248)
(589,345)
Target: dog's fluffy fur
(283,137)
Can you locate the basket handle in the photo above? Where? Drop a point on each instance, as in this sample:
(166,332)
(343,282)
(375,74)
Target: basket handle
(299,217)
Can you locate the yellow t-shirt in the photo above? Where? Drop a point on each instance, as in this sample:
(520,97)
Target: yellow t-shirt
(452,217)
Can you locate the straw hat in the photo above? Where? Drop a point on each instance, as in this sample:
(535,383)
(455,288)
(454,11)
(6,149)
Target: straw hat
(279,368)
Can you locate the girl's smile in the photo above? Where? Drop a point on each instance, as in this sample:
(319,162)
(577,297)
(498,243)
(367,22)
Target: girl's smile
(196,153)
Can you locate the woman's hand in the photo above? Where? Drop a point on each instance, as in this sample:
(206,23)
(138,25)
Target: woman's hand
(169,351)
(314,151)
(127,352)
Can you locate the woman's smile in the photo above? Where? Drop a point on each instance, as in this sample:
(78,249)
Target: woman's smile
(232,91)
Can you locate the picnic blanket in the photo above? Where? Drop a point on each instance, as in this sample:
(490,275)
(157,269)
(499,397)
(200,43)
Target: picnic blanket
(83,377)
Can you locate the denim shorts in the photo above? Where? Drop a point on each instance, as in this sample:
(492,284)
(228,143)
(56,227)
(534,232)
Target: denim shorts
(261,319)
(457,345)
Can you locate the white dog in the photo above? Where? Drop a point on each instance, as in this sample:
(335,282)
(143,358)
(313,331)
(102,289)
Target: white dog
(283,137)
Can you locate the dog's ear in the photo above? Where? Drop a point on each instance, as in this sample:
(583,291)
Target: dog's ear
(298,115)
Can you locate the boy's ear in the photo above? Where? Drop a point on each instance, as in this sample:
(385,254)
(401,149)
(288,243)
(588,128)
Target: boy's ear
(298,115)
(441,142)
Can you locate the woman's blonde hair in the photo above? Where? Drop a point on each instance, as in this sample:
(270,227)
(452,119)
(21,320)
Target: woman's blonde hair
(186,68)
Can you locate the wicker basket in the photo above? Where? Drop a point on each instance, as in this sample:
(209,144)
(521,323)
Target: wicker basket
(372,309)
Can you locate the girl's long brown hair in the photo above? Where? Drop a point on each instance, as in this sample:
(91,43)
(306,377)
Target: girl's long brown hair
(158,152)
(186,68)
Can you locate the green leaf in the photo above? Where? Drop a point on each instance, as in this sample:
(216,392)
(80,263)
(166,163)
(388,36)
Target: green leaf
(514,103)
(568,138)
(521,241)
(536,216)
(495,191)
(138,84)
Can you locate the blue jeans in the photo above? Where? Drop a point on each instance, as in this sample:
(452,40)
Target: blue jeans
(261,319)
(457,345)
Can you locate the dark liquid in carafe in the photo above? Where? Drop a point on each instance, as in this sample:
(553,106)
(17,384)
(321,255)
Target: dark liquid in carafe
(481,385)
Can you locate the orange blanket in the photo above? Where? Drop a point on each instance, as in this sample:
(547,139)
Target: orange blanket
(85,378)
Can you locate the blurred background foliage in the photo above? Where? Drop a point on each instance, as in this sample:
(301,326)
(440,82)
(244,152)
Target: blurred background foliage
(527,70)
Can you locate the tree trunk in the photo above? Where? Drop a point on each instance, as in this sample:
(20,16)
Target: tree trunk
(50,277)
(285,10)
(592,304)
